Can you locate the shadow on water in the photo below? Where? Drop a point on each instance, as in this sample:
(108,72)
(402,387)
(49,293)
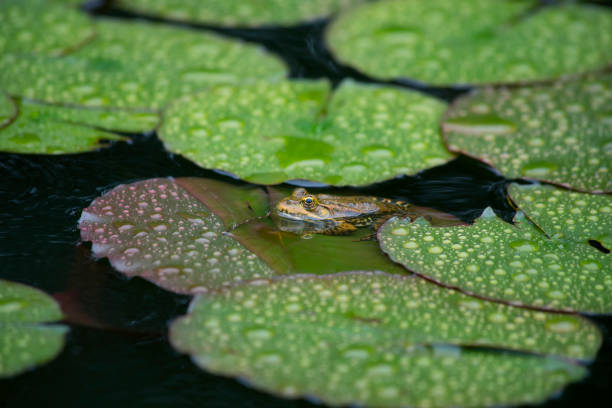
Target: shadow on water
(117,353)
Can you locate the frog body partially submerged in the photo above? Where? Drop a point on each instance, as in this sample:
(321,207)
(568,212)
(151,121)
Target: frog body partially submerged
(307,213)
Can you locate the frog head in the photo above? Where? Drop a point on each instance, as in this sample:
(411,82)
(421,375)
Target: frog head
(303,206)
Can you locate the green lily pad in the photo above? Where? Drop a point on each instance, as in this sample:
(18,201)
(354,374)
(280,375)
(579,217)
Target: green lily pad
(46,129)
(473,41)
(362,338)
(289,253)
(136,65)
(237,12)
(558,133)
(40,26)
(24,341)
(158,230)
(271,132)
(496,260)
(567,215)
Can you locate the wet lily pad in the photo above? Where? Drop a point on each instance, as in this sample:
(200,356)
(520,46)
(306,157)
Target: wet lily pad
(158,230)
(477,41)
(24,341)
(558,133)
(496,260)
(220,234)
(364,338)
(136,65)
(271,132)
(567,215)
(237,12)
(40,26)
(46,129)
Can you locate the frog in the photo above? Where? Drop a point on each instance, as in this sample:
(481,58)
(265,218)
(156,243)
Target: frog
(329,214)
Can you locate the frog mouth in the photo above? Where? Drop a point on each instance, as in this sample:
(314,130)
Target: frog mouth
(307,217)
(289,215)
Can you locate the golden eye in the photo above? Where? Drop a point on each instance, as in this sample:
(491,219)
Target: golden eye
(309,202)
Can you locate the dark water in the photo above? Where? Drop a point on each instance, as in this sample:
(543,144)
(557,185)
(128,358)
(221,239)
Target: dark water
(117,352)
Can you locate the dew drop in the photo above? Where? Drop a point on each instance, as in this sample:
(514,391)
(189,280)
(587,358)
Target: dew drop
(11,305)
(591,265)
(258,334)
(411,245)
(480,124)
(471,304)
(497,317)
(380,370)
(561,325)
(524,246)
(357,353)
(199,132)
(520,277)
(378,152)
(435,250)
(388,392)
(539,169)
(293,307)
(355,168)
(269,358)
(555,294)
(399,231)
(472,268)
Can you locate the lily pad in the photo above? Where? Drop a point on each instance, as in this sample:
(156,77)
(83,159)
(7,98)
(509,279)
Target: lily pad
(567,215)
(364,338)
(46,129)
(271,132)
(496,260)
(24,341)
(157,230)
(447,42)
(237,12)
(40,26)
(136,65)
(214,219)
(558,133)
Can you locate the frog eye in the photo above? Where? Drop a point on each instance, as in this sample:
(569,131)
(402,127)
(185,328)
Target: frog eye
(309,202)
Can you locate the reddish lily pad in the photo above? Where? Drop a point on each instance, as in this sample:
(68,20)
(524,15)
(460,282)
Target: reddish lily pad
(157,230)
(362,338)
(25,341)
(558,133)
